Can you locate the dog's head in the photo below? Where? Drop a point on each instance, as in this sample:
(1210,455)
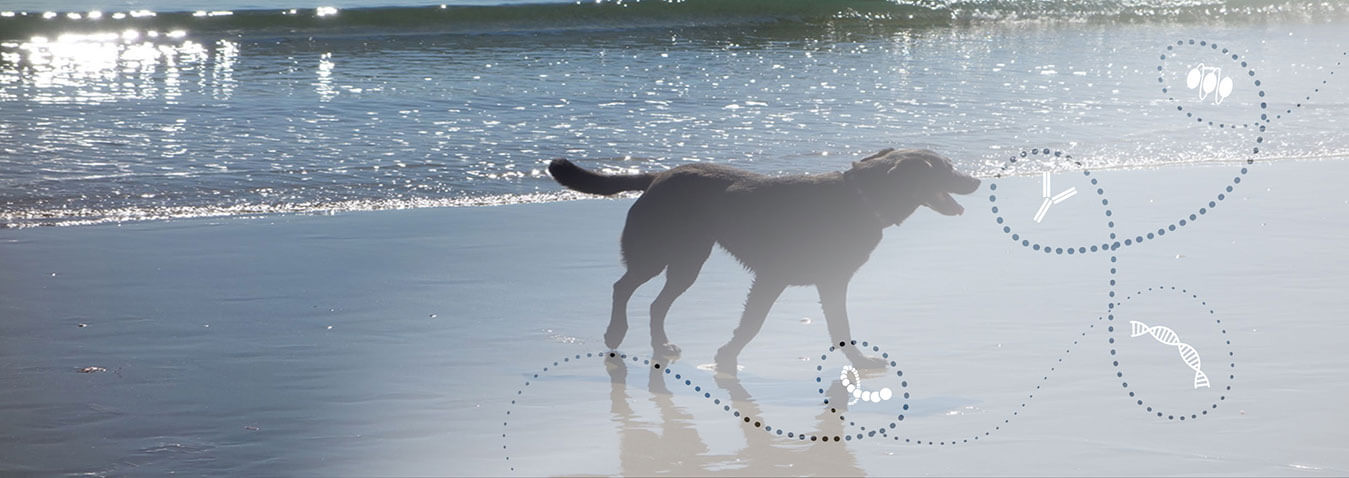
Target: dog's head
(908,178)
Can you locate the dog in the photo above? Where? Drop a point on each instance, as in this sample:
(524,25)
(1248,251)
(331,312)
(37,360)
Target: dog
(787,230)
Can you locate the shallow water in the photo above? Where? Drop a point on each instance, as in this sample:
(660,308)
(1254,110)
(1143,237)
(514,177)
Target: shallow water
(260,115)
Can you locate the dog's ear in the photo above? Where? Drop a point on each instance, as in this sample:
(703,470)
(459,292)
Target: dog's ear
(909,166)
(878,154)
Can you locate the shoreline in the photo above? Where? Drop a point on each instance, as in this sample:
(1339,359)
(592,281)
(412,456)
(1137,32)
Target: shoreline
(263,211)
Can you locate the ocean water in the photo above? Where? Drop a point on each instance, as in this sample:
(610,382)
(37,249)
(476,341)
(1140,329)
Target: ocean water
(128,110)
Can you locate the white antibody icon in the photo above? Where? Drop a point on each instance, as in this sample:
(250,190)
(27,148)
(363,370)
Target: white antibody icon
(1209,79)
(854,386)
(1167,336)
(1051,200)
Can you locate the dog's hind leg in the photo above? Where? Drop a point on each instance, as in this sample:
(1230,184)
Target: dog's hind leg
(833,298)
(636,275)
(679,275)
(762,295)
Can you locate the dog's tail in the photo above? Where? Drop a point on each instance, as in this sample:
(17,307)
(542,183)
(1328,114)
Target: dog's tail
(576,178)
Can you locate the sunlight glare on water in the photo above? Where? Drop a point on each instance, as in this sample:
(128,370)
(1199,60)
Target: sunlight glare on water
(215,110)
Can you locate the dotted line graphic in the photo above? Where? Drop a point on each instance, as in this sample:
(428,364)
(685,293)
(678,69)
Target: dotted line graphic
(1113,243)
(904,407)
(1227,189)
(520,393)
(688,383)
(883,431)
(886,430)
(1151,409)
(1315,91)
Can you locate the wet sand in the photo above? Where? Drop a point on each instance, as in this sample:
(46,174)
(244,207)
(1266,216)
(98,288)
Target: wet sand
(393,343)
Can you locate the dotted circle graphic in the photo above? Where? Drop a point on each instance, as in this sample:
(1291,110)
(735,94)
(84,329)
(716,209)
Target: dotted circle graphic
(1135,396)
(1250,73)
(1110,245)
(902,408)
(1236,60)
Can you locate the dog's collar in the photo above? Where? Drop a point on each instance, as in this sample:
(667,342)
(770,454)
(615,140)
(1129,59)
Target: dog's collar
(866,202)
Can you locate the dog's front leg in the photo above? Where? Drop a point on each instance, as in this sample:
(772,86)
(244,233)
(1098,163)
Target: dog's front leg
(762,295)
(834,298)
(623,289)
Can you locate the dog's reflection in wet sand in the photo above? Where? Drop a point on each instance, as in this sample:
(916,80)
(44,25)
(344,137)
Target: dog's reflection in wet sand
(674,447)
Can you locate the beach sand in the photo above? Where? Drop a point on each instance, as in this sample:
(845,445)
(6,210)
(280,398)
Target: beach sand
(395,342)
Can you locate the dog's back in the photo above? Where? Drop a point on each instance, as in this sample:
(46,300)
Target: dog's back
(760,219)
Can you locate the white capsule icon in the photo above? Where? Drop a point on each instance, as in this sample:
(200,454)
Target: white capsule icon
(1224,88)
(1209,80)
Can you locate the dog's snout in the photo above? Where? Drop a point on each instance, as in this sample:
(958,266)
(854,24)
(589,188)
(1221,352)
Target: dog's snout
(967,184)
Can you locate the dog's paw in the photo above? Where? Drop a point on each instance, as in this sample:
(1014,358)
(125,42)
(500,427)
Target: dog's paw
(869,363)
(614,336)
(726,365)
(666,352)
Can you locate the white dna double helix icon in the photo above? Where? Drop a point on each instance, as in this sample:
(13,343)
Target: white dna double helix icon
(1167,336)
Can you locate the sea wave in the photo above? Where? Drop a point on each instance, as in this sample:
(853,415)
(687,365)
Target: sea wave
(619,15)
(126,213)
(91,216)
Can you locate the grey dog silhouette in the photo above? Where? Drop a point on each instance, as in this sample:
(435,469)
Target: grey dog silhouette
(788,230)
